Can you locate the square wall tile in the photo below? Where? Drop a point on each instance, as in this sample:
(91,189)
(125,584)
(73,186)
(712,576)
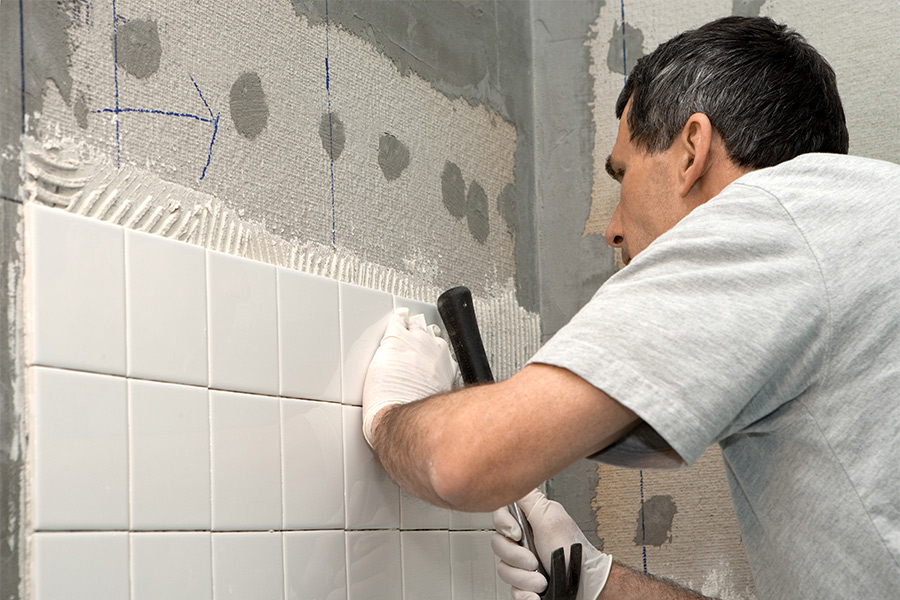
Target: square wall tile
(371,496)
(170,486)
(80,450)
(309,336)
(246,461)
(315,565)
(472,565)
(374,565)
(166,309)
(504,590)
(466,521)
(418,514)
(248,566)
(243,324)
(364,317)
(426,565)
(174,566)
(80,566)
(76,288)
(313,464)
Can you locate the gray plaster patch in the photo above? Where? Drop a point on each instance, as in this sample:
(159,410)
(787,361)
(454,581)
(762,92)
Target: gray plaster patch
(249,109)
(138,50)
(506,206)
(654,522)
(477,212)
(623,56)
(746,8)
(393,156)
(453,190)
(452,45)
(331,132)
(47,42)
(80,108)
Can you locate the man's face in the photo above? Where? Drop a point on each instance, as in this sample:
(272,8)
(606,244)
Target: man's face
(649,204)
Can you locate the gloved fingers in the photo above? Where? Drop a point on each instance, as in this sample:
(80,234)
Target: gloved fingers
(533,502)
(512,553)
(520,579)
(417,322)
(506,524)
(524,595)
(434,330)
(398,324)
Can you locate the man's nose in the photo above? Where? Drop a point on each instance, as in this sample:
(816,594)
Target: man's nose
(615,236)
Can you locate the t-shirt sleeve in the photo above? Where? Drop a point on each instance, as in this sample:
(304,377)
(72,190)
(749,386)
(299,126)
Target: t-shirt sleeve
(717,324)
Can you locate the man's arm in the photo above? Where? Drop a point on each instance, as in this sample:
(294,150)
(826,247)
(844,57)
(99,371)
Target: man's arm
(625,583)
(485,446)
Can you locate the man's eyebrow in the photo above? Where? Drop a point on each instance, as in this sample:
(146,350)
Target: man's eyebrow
(617,175)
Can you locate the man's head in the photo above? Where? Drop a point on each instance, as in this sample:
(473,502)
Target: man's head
(753,93)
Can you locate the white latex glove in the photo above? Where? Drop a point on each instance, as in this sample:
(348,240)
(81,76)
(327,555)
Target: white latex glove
(553,528)
(412,363)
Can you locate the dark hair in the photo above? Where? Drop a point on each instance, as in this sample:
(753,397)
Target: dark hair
(769,93)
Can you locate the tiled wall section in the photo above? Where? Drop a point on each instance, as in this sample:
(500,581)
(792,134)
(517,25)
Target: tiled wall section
(196,432)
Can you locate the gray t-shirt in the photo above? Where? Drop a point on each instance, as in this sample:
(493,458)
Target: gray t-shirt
(768,320)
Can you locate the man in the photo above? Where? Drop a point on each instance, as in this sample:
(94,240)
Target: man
(759,308)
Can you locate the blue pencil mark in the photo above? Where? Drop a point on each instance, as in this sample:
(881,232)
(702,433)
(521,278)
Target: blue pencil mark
(153,112)
(330,131)
(22,57)
(643,529)
(624,56)
(201,96)
(213,119)
(116,76)
(211,142)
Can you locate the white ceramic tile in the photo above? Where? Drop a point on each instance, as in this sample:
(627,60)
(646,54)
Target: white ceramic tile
(248,566)
(312,464)
(80,450)
(315,565)
(418,514)
(243,327)
(166,309)
(373,565)
(246,461)
(364,317)
(174,566)
(504,590)
(371,497)
(76,280)
(466,521)
(309,336)
(80,566)
(426,565)
(472,565)
(169,456)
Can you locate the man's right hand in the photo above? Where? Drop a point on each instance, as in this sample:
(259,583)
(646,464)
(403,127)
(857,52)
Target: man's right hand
(553,528)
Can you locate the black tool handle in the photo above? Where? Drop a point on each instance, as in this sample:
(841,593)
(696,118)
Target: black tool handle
(458,313)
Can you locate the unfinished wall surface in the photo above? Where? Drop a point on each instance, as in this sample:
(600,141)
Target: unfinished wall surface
(378,145)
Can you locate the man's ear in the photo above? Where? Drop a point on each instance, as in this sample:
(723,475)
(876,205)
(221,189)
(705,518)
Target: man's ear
(695,143)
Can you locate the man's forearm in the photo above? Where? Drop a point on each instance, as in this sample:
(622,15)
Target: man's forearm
(403,445)
(485,446)
(625,583)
